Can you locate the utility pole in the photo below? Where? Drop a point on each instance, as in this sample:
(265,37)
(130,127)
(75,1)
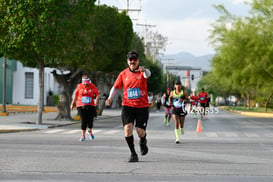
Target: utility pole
(128,8)
(167,59)
(146,30)
(154,51)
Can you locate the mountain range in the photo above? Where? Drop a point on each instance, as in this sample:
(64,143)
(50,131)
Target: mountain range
(187,59)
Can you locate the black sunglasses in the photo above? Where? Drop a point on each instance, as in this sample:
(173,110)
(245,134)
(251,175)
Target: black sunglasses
(133,59)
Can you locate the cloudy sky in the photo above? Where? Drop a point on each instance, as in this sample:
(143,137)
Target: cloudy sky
(185,23)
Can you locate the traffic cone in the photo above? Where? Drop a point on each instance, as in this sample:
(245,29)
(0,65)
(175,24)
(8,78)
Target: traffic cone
(198,127)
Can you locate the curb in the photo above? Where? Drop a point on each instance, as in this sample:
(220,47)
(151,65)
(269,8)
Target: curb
(17,130)
(256,114)
(4,113)
(252,114)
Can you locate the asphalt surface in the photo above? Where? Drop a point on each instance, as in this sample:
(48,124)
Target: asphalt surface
(27,121)
(229,148)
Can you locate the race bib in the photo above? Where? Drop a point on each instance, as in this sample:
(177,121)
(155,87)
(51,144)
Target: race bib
(202,98)
(177,104)
(86,100)
(133,93)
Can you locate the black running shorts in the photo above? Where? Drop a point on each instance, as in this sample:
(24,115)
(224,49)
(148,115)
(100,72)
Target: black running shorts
(204,105)
(138,115)
(179,111)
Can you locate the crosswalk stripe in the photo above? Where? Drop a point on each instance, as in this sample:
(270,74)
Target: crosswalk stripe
(111,132)
(211,134)
(54,131)
(230,134)
(269,135)
(187,133)
(251,135)
(97,131)
(72,131)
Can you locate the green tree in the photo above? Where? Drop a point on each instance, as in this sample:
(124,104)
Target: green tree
(31,32)
(244,50)
(155,82)
(138,46)
(99,48)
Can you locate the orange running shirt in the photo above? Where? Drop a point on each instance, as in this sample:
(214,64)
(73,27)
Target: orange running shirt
(195,100)
(86,96)
(135,88)
(203,97)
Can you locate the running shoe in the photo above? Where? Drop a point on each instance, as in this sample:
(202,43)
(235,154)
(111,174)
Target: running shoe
(133,158)
(143,147)
(91,136)
(177,141)
(168,124)
(82,138)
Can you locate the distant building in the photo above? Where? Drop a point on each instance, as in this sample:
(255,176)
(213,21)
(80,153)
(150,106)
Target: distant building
(185,74)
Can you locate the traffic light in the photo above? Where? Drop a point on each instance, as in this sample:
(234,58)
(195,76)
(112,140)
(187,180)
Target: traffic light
(192,77)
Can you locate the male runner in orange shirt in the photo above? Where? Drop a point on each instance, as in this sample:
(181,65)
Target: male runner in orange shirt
(135,102)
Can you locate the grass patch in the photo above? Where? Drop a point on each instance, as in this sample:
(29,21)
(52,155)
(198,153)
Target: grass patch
(254,109)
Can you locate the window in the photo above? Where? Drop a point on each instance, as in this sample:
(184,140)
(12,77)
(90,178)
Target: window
(29,78)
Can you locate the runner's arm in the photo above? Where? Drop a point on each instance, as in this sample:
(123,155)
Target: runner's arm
(113,92)
(147,73)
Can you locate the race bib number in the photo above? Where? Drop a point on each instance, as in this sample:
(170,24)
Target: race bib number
(177,104)
(202,98)
(86,100)
(133,93)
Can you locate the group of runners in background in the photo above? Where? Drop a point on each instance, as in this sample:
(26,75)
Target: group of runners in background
(177,104)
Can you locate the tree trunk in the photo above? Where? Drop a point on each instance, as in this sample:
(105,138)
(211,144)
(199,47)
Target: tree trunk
(69,82)
(41,93)
(267,101)
(4,84)
(248,99)
(244,98)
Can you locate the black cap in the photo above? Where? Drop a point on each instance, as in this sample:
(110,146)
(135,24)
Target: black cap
(132,55)
(177,82)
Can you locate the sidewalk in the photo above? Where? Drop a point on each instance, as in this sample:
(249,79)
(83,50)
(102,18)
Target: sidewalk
(27,121)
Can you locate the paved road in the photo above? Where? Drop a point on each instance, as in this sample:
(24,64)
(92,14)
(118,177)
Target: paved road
(229,148)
